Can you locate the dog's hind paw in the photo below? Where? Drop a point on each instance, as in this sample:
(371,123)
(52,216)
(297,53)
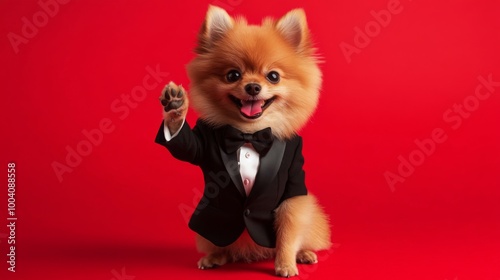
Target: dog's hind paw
(212,261)
(306,257)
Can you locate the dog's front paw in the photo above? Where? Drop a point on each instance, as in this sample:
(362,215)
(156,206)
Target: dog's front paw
(212,261)
(172,97)
(286,269)
(174,100)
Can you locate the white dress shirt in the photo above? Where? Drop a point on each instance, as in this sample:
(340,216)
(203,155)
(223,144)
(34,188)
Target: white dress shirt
(248,160)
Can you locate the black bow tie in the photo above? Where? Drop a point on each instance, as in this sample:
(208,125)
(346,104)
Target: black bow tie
(234,139)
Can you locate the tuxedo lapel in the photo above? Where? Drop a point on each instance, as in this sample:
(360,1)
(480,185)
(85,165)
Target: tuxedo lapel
(231,163)
(268,167)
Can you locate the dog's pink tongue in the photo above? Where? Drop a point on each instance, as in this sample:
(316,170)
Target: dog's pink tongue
(251,107)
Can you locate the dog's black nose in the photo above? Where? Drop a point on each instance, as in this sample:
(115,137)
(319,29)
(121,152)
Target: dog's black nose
(253,89)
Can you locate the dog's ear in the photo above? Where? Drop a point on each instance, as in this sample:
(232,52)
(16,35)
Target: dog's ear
(293,27)
(217,23)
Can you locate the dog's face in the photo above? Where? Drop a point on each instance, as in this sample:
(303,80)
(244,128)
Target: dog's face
(253,77)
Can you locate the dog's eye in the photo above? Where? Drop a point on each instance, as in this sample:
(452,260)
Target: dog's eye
(233,76)
(273,77)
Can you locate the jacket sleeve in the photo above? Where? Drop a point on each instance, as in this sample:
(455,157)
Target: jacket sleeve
(188,145)
(296,184)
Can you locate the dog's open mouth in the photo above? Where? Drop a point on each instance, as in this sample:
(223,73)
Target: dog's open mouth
(252,108)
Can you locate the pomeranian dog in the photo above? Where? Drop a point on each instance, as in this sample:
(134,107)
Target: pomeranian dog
(254,87)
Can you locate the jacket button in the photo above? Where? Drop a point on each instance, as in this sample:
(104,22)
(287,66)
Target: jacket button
(247,212)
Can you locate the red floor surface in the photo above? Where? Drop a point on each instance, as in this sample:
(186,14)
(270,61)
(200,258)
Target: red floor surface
(411,93)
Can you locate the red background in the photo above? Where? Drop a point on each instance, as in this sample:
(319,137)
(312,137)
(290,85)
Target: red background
(119,207)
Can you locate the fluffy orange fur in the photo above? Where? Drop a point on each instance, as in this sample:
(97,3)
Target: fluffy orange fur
(302,227)
(284,46)
(256,50)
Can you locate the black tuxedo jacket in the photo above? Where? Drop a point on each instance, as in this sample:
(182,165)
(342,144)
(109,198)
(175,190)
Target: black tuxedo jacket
(224,210)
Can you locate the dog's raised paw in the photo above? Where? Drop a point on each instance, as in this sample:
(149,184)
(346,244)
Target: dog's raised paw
(172,97)
(287,270)
(212,261)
